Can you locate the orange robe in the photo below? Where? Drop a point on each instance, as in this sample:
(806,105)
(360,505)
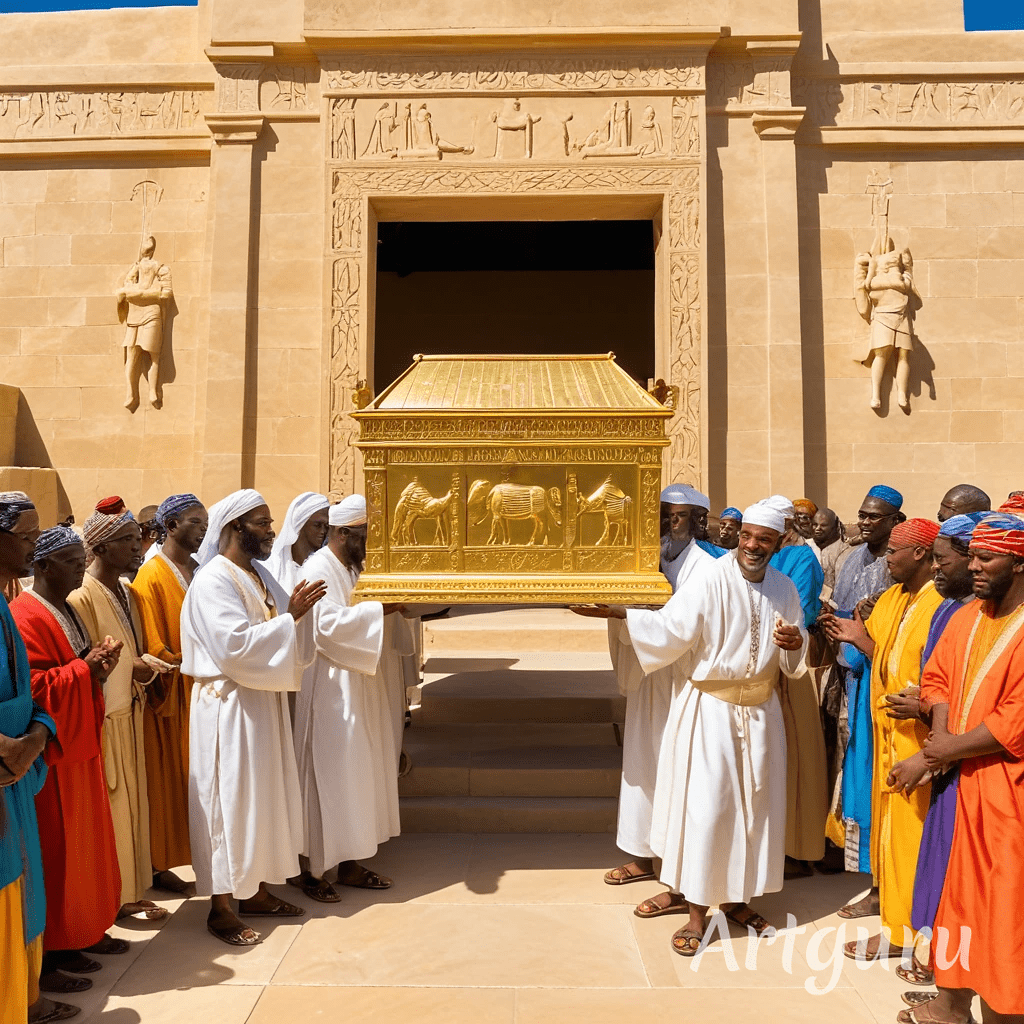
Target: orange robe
(76,834)
(160,592)
(977,667)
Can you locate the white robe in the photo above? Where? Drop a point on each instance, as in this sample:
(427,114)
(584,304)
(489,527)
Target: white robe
(648,698)
(344,738)
(719,820)
(399,645)
(245,806)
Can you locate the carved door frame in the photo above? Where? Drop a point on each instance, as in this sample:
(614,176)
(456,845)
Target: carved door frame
(673,182)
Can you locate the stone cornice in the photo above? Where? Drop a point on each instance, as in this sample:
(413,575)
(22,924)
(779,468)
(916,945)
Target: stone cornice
(234,128)
(778,123)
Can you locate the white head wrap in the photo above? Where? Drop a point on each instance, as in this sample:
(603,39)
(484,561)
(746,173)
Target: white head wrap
(782,504)
(300,511)
(761,513)
(349,512)
(684,494)
(224,512)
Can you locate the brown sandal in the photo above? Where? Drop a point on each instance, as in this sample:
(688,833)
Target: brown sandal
(753,919)
(648,908)
(915,974)
(369,880)
(235,936)
(623,876)
(850,950)
(687,941)
(908,1017)
(278,908)
(916,999)
(319,889)
(59,983)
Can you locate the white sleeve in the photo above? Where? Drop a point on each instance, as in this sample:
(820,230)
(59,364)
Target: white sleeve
(351,636)
(662,637)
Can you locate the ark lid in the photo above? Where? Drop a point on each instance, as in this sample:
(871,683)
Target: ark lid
(491,383)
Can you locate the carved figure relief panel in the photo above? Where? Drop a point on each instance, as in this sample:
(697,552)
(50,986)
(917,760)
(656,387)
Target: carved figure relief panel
(83,113)
(482,129)
(271,88)
(750,83)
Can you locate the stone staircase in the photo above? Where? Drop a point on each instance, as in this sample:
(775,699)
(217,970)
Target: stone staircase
(515,726)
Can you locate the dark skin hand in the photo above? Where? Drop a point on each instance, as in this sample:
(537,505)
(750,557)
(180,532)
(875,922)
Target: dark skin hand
(848,631)
(102,658)
(304,596)
(19,752)
(907,775)
(904,705)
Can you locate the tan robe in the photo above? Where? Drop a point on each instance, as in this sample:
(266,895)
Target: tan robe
(124,752)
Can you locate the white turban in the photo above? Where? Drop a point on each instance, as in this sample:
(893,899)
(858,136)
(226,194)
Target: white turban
(349,512)
(782,504)
(300,511)
(761,513)
(683,494)
(224,512)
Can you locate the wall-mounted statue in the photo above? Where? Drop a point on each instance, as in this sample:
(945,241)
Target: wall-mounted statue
(887,298)
(142,301)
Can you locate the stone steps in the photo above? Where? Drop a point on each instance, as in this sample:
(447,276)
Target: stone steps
(490,814)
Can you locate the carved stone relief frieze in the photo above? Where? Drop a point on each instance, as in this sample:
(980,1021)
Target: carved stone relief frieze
(238,87)
(623,72)
(686,126)
(750,83)
(289,88)
(81,113)
(840,102)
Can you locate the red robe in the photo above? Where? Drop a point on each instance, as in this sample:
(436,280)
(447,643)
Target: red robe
(76,833)
(984,889)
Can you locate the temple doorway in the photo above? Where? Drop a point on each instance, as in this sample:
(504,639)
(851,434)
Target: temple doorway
(573,287)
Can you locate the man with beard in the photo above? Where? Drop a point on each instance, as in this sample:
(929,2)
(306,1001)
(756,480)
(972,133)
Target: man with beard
(25,730)
(244,642)
(961,500)
(76,833)
(848,692)
(719,819)
(304,531)
(974,683)
(804,512)
(648,696)
(344,740)
(160,588)
(829,544)
(729,528)
(893,638)
(108,609)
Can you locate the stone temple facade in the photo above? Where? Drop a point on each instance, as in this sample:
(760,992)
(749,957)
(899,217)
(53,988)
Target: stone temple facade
(192,198)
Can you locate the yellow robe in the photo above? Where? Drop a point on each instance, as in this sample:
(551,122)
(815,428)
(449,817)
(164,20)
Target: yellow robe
(19,965)
(899,626)
(160,591)
(124,754)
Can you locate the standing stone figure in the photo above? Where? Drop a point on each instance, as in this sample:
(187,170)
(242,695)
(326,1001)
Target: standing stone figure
(146,291)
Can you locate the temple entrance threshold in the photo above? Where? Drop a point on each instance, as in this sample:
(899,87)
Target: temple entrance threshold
(516,726)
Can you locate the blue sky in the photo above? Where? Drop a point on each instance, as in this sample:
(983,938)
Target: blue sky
(979,15)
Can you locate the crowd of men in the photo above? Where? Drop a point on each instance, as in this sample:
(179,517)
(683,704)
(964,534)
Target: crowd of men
(824,697)
(196,690)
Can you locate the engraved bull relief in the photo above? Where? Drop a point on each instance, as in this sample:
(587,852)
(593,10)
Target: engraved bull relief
(507,501)
(416,503)
(617,508)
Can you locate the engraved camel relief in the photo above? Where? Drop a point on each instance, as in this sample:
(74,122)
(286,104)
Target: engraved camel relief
(617,508)
(416,503)
(514,501)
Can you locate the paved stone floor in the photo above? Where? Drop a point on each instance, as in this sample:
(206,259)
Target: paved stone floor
(496,929)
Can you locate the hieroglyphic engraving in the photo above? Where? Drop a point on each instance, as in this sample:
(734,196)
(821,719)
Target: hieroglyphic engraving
(844,102)
(686,126)
(650,487)
(684,213)
(525,428)
(751,83)
(343,129)
(288,87)
(79,113)
(376,490)
(516,73)
(347,223)
(344,368)
(684,296)
(238,87)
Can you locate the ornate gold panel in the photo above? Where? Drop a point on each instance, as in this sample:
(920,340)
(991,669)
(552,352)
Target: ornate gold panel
(513,479)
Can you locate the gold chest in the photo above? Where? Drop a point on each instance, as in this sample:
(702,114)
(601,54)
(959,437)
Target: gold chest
(513,479)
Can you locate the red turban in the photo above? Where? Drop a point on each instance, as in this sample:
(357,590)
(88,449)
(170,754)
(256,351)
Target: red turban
(110,506)
(1001,533)
(1014,503)
(805,505)
(914,533)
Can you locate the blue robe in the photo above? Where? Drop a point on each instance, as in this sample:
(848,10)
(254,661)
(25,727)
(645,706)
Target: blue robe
(712,549)
(801,565)
(20,856)
(859,758)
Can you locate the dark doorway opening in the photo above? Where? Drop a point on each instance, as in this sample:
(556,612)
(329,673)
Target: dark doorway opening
(457,288)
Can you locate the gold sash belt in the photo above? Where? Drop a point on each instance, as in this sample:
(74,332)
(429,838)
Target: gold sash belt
(745,692)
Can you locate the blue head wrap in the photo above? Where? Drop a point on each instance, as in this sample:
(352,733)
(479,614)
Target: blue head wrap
(12,505)
(887,494)
(172,507)
(54,539)
(961,528)
(731,513)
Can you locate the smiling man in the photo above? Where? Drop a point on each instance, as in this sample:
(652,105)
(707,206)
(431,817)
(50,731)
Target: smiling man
(108,608)
(160,588)
(726,633)
(244,642)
